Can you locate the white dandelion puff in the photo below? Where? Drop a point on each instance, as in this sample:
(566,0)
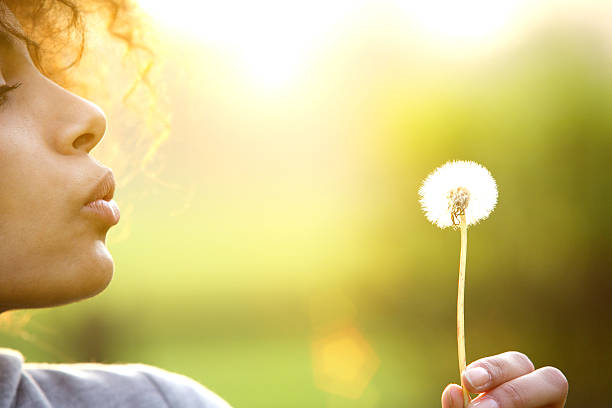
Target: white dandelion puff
(458,194)
(455,188)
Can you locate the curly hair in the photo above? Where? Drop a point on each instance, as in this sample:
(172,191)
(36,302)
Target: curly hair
(54,30)
(59,35)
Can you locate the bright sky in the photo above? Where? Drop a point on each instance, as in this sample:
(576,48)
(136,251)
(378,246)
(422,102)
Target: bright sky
(274,38)
(271,37)
(473,20)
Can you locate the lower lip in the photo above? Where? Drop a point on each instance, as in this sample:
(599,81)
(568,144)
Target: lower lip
(107,211)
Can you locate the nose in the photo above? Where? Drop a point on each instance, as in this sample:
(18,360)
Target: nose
(81,123)
(92,129)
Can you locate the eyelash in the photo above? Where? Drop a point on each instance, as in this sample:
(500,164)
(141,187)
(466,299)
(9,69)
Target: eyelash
(4,89)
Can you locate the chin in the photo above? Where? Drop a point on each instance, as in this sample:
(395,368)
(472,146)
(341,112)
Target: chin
(59,281)
(91,275)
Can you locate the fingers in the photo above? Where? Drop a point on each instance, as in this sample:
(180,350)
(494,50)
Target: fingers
(490,372)
(452,397)
(545,387)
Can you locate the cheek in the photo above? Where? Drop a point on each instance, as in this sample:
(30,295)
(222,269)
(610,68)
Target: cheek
(49,253)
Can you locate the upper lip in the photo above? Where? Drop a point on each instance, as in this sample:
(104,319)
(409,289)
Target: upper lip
(104,189)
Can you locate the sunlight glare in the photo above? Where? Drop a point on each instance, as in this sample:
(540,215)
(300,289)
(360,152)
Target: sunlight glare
(273,41)
(272,38)
(467,20)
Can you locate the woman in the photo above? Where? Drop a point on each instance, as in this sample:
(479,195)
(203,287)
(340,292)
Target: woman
(56,208)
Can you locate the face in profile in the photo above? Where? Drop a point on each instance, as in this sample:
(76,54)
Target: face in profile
(55,199)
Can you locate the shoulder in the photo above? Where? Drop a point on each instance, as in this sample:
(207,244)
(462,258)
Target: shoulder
(179,390)
(130,385)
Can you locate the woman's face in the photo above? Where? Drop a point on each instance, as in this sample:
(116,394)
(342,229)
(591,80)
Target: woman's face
(52,247)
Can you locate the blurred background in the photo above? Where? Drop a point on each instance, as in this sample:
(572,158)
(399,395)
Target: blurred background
(274,249)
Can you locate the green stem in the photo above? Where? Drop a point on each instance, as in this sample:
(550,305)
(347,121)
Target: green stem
(460,303)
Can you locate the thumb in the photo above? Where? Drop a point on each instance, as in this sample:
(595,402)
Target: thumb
(452,397)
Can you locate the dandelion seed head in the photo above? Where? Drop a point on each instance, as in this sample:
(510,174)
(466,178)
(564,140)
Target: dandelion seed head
(456,188)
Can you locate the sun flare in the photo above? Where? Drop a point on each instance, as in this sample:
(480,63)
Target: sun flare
(272,38)
(465,21)
(273,41)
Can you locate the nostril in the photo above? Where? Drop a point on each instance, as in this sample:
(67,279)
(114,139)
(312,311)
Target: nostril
(84,142)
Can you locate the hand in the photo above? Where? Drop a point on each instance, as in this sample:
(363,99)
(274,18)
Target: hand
(509,380)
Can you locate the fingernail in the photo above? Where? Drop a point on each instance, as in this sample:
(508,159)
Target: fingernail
(477,377)
(485,403)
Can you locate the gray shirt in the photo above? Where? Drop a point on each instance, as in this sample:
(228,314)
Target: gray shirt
(89,385)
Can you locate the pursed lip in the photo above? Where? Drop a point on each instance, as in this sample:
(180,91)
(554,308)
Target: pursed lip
(104,189)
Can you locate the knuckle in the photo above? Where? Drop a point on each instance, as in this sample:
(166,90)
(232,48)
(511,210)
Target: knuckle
(511,395)
(498,365)
(521,359)
(493,366)
(556,378)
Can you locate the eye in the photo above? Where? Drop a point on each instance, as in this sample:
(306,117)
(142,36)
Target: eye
(4,89)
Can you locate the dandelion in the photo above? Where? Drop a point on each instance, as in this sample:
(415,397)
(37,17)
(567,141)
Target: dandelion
(458,186)
(459,194)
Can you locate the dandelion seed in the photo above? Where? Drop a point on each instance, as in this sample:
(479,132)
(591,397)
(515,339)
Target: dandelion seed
(456,187)
(459,194)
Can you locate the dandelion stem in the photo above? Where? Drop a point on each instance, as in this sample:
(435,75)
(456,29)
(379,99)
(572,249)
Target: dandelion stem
(460,302)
